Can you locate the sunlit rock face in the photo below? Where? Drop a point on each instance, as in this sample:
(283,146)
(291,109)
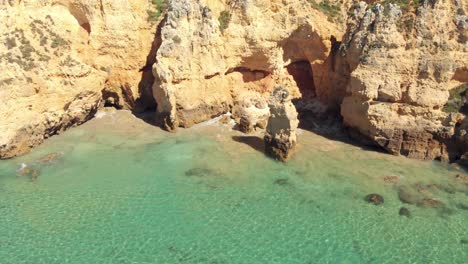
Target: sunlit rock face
(214,54)
(403,63)
(280,136)
(61,59)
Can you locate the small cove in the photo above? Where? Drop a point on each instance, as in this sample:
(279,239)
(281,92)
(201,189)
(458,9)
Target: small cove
(119,190)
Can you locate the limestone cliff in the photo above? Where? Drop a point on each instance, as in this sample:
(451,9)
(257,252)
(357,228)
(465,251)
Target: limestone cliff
(216,54)
(403,63)
(60,59)
(388,69)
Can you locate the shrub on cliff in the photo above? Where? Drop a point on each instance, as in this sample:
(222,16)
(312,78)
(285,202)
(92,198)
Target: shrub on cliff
(224,20)
(158,8)
(457,100)
(328,8)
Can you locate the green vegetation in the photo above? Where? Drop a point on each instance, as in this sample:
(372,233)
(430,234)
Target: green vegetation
(408,8)
(405,5)
(58,41)
(224,20)
(159,7)
(457,99)
(328,8)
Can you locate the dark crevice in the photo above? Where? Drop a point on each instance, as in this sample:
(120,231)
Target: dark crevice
(302,73)
(249,75)
(211,76)
(146,101)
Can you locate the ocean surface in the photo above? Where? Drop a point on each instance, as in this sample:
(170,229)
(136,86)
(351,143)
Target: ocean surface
(119,190)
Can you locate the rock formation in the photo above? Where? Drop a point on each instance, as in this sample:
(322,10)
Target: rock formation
(390,70)
(403,62)
(280,136)
(215,53)
(61,59)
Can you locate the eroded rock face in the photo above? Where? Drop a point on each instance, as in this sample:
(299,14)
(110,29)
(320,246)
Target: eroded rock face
(280,136)
(401,77)
(58,59)
(214,52)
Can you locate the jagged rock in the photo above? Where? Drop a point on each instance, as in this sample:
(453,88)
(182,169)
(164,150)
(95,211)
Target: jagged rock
(204,65)
(401,77)
(246,125)
(58,60)
(374,198)
(280,136)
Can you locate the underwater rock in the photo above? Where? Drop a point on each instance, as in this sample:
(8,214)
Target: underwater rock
(391,179)
(49,158)
(428,202)
(462,178)
(27,171)
(374,198)
(404,212)
(280,136)
(462,206)
(406,195)
(281,182)
(199,172)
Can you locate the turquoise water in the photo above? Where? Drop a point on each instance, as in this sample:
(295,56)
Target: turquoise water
(121,191)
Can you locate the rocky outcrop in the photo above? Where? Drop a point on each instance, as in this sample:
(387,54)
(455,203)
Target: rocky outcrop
(403,62)
(213,53)
(61,59)
(280,136)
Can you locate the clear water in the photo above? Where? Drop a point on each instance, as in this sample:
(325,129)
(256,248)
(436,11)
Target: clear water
(122,191)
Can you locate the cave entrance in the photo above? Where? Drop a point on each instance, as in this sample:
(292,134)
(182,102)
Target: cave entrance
(302,73)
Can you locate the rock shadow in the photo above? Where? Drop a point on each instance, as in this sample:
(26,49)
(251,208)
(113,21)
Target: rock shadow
(145,105)
(254,142)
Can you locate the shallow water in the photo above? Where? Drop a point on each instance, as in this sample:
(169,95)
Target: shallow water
(121,191)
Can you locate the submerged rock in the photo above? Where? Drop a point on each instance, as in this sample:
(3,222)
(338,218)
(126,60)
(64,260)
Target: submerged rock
(280,136)
(50,158)
(199,172)
(391,179)
(281,182)
(374,198)
(429,202)
(29,172)
(404,212)
(406,195)
(461,178)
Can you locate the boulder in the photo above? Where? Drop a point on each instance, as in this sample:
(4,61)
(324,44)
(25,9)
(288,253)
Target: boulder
(374,198)
(404,212)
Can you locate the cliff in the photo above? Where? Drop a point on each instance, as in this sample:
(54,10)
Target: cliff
(403,63)
(61,59)
(217,54)
(392,72)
